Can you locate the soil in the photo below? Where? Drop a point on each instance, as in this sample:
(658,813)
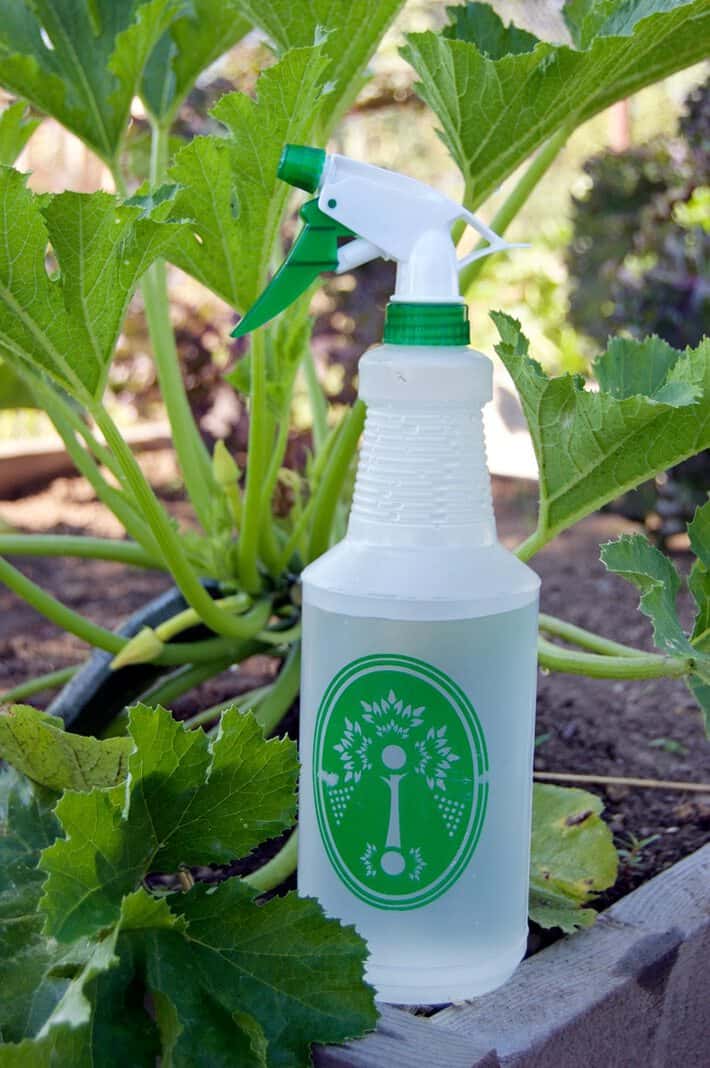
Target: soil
(649,729)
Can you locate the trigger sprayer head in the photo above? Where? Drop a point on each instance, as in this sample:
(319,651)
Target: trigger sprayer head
(387,215)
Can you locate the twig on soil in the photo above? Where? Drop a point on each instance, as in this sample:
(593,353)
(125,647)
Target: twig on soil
(615,780)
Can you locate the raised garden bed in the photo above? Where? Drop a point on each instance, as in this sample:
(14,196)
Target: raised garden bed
(630,991)
(621,986)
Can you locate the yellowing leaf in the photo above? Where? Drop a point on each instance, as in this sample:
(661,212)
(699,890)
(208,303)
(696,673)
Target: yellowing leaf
(37,745)
(572,856)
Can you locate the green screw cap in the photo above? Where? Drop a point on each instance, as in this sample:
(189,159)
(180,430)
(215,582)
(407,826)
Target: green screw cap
(409,323)
(301,166)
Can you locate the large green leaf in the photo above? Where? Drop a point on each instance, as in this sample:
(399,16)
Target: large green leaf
(15,131)
(350,33)
(572,856)
(231,982)
(592,446)
(27,826)
(641,563)
(68,325)
(37,745)
(81,62)
(263,982)
(203,32)
(188,800)
(658,581)
(48,992)
(496,108)
(228,187)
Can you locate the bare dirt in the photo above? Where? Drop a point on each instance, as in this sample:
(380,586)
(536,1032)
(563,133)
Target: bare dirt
(646,729)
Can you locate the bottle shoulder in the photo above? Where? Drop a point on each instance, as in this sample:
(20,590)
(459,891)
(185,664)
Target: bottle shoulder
(439,581)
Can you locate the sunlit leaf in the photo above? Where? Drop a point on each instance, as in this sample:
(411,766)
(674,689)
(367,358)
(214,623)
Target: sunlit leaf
(495,108)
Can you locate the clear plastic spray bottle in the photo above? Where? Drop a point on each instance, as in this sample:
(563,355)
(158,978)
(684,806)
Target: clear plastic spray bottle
(419,628)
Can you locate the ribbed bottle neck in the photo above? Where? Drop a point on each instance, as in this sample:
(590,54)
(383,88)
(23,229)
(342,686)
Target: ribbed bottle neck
(422,479)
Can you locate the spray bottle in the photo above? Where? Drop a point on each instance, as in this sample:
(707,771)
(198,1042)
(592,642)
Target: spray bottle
(419,628)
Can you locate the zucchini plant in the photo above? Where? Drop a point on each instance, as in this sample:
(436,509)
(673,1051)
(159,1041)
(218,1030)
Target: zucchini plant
(122,936)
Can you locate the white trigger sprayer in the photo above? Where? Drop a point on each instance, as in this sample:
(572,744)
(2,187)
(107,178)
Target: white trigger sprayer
(419,628)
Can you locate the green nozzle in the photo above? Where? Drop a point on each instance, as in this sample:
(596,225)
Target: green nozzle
(301,166)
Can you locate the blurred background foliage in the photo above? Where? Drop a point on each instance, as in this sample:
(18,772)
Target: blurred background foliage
(618,232)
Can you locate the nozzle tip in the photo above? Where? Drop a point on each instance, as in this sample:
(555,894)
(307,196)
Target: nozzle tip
(301,166)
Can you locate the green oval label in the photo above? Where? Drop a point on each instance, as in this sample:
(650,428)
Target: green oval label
(400,779)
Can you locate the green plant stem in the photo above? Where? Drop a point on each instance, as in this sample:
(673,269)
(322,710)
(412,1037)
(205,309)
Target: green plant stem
(191,452)
(210,650)
(517,197)
(330,487)
(278,869)
(51,681)
(183,680)
(585,638)
(280,637)
(114,499)
(269,704)
(124,552)
(532,544)
(170,628)
(245,702)
(256,468)
(57,612)
(296,536)
(171,548)
(318,403)
(284,691)
(268,544)
(646,666)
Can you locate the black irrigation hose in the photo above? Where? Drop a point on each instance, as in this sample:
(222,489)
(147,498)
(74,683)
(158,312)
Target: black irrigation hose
(95,695)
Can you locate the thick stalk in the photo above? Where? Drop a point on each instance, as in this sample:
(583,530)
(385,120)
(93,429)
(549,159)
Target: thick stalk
(329,489)
(192,455)
(276,703)
(517,198)
(183,680)
(318,403)
(278,869)
(296,538)
(171,548)
(256,468)
(646,666)
(208,651)
(532,544)
(58,613)
(585,638)
(124,552)
(237,603)
(51,681)
(268,544)
(244,702)
(115,500)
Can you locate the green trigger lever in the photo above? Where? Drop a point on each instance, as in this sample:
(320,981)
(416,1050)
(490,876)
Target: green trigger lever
(315,250)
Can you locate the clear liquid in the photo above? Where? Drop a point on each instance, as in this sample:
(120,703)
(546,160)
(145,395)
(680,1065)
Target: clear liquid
(471,937)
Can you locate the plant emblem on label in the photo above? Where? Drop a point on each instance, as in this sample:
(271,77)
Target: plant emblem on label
(400,778)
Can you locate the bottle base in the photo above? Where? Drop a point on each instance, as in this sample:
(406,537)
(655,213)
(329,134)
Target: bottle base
(400,985)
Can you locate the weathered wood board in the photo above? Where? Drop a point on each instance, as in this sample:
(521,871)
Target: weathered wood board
(631,991)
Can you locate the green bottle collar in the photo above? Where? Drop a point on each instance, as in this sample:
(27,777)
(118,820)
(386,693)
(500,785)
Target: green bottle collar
(426,324)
